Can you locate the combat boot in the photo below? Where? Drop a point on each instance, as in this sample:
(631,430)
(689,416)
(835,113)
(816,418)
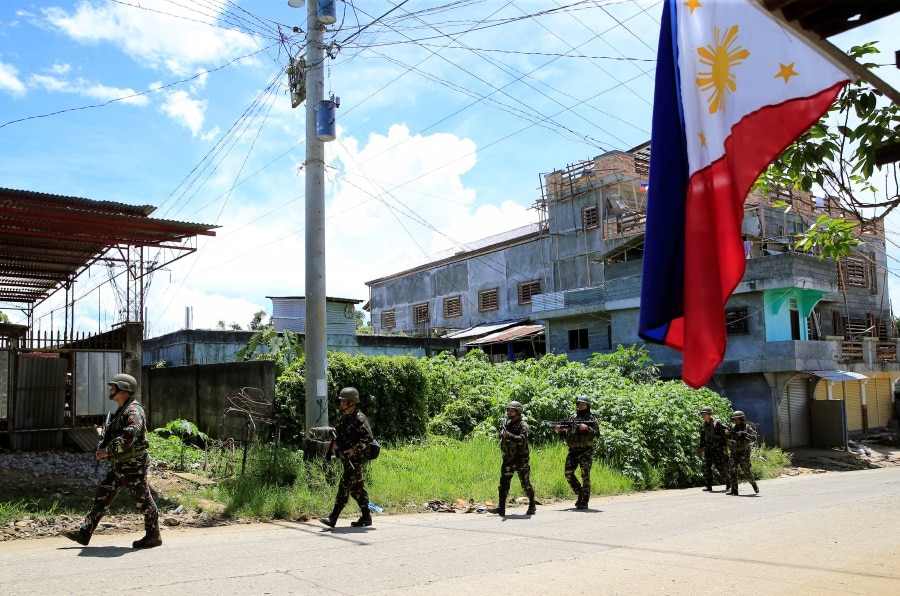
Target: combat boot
(150,540)
(755,487)
(331,520)
(364,521)
(734,491)
(531,507)
(81,536)
(708,488)
(583,498)
(500,509)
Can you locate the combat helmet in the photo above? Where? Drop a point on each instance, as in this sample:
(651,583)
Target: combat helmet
(706,410)
(584,399)
(517,406)
(124,382)
(350,394)
(738,414)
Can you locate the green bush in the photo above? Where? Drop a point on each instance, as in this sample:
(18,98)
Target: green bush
(391,390)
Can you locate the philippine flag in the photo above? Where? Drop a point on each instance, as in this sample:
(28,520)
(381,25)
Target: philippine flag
(733,90)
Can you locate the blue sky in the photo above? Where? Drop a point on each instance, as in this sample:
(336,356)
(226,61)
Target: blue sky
(448,118)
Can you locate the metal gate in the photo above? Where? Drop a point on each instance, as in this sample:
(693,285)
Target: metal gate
(793,414)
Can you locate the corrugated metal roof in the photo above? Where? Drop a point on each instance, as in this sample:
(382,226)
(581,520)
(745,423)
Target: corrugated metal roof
(519,332)
(838,376)
(47,240)
(480,330)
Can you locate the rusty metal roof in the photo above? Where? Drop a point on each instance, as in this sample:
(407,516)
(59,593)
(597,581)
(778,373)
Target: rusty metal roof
(512,334)
(46,240)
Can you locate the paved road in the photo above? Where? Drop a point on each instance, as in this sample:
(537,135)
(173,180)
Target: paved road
(835,533)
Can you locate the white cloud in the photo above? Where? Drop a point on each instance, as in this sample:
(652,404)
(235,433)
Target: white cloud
(156,33)
(9,80)
(84,88)
(184,110)
(398,197)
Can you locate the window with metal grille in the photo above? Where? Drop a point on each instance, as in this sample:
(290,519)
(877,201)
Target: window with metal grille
(855,273)
(578,339)
(489,299)
(527,289)
(736,321)
(452,307)
(590,217)
(420,313)
(388,320)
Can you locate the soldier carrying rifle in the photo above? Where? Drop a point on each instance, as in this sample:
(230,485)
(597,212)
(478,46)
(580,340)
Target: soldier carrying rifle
(124,445)
(514,446)
(579,430)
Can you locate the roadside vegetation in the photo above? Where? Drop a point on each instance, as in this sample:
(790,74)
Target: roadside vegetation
(436,419)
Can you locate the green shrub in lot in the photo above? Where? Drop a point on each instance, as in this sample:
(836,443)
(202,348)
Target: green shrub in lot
(649,428)
(391,390)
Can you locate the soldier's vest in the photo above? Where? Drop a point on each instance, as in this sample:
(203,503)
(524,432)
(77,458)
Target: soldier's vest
(510,447)
(576,439)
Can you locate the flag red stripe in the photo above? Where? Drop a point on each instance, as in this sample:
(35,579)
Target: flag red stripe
(714,252)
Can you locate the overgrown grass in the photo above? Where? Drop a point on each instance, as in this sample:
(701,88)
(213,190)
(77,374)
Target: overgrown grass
(768,462)
(404,479)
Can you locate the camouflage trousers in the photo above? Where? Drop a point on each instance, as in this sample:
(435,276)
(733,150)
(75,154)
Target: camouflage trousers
(518,463)
(740,462)
(351,485)
(583,457)
(132,476)
(717,458)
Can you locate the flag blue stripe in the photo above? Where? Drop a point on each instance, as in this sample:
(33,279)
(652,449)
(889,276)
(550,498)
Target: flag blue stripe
(662,286)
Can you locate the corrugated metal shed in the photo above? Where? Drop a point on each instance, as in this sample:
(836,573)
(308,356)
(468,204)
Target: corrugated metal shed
(46,240)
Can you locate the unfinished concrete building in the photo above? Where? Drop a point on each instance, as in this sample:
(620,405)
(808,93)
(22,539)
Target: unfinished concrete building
(811,353)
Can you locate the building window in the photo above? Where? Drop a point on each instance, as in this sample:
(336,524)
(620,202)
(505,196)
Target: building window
(527,289)
(388,320)
(578,339)
(452,307)
(855,273)
(590,217)
(489,299)
(420,313)
(736,321)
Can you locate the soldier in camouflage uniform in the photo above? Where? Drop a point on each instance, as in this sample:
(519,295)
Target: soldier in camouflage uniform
(740,441)
(125,446)
(516,457)
(580,435)
(713,449)
(353,435)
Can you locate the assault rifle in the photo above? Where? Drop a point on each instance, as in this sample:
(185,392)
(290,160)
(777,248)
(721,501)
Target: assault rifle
(340,450)
(103,430)
(573,422)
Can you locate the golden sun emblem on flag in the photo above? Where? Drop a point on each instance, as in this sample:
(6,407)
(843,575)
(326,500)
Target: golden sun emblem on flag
(720,59)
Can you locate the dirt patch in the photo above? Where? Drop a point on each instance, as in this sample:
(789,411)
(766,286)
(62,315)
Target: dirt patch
(44,489)
(859,456)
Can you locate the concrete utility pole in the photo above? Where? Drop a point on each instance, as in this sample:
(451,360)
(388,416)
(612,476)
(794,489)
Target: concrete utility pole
(316,338)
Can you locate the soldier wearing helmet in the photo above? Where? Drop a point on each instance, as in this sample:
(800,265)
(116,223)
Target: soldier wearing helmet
(124,445)
(713,448)
(740,442)
(580,430)
(516,457)
(352,437)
